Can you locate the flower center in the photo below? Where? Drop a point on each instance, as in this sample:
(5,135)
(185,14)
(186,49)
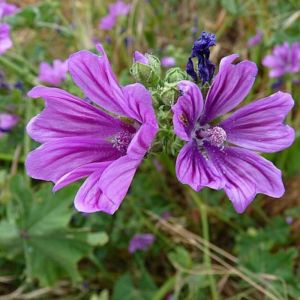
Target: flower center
(216,136)
(122,140)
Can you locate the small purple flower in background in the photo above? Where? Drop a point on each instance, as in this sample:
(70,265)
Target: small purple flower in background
(168,62)
(289,220)
(7,122)
(115,10)
(209,158)
(201,51)
(5,40)
(277,85)
(54,74)
(285,59)
(7,9)
(141,58)
(170,297)
(141,242)
(166,215)
(119,8)
(256,39)
(80,140)
(107,22)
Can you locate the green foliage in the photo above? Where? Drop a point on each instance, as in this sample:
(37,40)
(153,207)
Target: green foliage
(126,289)
(37,227)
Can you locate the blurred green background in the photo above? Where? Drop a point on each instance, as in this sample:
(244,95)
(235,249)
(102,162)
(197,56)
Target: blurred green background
(50,251)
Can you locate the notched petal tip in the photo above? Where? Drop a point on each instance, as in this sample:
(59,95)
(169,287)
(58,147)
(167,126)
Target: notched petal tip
(250,65)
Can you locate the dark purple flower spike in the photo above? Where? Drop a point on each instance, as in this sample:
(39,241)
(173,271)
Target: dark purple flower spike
(201,51)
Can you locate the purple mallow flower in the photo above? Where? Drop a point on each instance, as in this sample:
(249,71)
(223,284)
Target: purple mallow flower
(289,220)
(116,9)
(201,51)
(284,59)
(217,155)
(141,242)
(81,140)
(7,9)
(256,39)
(141,58)
(119,8)
(168,61)
(54,74)
(107,22)
(7,122)
(5,40)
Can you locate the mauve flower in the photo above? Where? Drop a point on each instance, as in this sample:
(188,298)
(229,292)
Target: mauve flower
(289,220)
(284,59)
(168,61)
(81,140)
(256,39)
(107,22)
(141,242)
(211,157)
(5,41)
(54,74)
(141,58)
(119,8)
(115,10)
(7,122)
(7,9)
(201,51)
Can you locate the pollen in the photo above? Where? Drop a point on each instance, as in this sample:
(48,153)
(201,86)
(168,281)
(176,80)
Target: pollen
(122,140)
(216,136)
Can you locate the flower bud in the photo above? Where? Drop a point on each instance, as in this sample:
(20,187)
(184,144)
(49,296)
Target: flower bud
(146,69)
(175,75)
(169,94)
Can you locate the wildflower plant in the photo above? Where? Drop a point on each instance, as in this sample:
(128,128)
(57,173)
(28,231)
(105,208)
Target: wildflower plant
(107,141)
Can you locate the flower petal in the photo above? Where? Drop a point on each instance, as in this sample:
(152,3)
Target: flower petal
(139,104)
(141,142)
(68,116)
(90,198)
(231,85)
(116,179)
(54,159)
(94,75)
(187,109)
(245,174)
(79,173)
(259,125)
(195,170)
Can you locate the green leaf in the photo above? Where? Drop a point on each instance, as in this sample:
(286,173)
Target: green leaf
(41,230)
(55,256)
(276,233)
(181,257)
(126,290)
